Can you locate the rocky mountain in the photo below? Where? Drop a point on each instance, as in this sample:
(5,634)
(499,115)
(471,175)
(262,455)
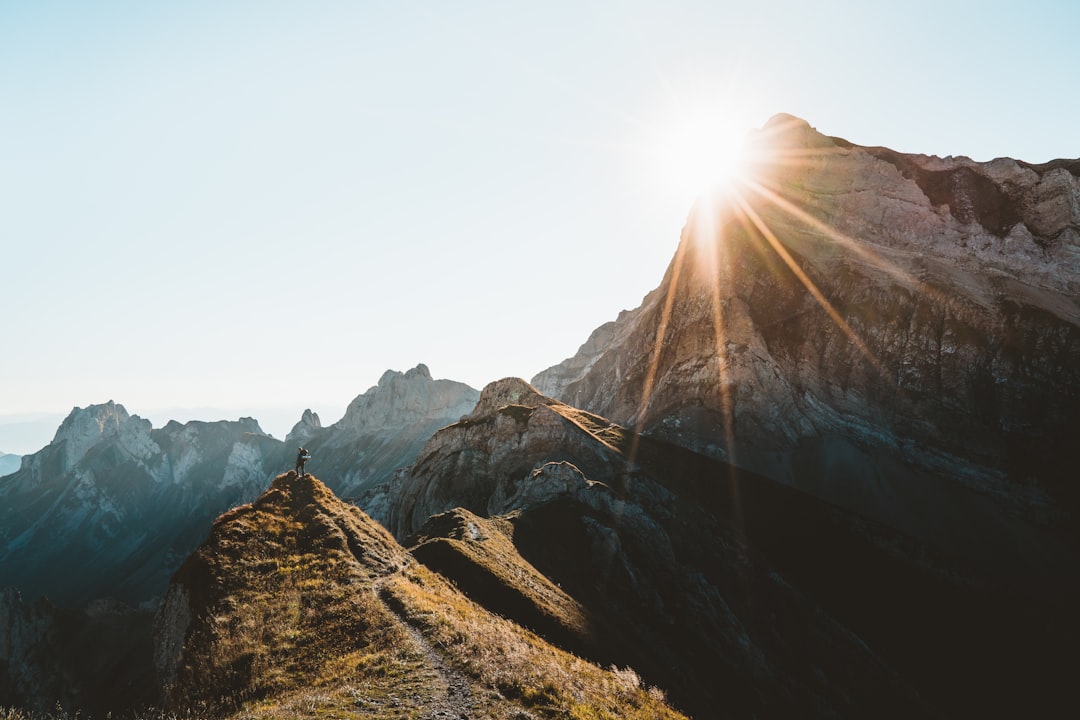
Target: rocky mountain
(299,605)
(382,430)
(111,506)
(896,334)
(9,463)
(722,587)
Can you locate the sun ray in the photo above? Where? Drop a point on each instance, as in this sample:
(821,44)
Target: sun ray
(719,260)
(658,344)
(811,287)
(858,247)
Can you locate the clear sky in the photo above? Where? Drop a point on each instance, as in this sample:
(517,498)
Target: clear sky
(261,206)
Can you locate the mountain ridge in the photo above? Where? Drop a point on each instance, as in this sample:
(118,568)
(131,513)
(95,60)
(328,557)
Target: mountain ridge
(358,612)
(865,315)
(822,469)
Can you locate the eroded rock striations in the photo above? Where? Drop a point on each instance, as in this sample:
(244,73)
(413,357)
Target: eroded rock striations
(898,334)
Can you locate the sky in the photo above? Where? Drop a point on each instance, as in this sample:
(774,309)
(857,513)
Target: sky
(215,209)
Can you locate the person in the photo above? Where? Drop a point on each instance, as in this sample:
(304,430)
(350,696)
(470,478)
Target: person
(302,456)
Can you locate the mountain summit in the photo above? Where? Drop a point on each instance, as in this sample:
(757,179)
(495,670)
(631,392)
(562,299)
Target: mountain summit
(897,334)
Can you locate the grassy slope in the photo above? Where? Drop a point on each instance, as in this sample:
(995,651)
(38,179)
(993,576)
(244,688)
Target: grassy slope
(307,608)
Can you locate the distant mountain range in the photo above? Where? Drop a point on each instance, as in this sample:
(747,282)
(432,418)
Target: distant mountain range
(112,506)
(823,470)
(9,463)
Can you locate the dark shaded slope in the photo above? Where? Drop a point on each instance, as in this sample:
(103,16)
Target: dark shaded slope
(722,586)
(966,638)
(96,660)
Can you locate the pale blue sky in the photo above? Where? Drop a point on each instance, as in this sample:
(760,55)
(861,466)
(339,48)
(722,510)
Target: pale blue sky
(261,206)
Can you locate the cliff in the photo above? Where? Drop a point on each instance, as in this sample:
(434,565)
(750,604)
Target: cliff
(897,334)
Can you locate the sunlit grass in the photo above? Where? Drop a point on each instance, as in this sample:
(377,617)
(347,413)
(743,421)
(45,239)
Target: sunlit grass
(504,658)
(315,611)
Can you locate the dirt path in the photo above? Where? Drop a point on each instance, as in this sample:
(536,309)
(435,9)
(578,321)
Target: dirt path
(456,703)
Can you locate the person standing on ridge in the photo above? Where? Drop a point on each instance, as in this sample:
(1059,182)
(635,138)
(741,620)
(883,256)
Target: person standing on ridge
(302,456)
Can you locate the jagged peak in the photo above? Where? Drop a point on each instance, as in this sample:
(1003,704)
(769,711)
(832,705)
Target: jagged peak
(388,377)
(85,427)
(420,370)
(309,423)
(403,398)
(105,415)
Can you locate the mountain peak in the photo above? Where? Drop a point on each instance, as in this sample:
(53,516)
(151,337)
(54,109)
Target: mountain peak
(388,377)
(401,399)
(784,120)
(307,426)
(508,391)
(85,427)
(420,370)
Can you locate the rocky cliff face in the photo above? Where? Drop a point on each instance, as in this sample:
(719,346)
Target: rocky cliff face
(898,334)
(383,429)
(722,587)
(111,505)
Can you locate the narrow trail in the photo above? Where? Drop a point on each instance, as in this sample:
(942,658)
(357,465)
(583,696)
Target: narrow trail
(456,703)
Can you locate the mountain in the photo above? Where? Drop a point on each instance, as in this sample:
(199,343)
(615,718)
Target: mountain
(382,430)
(896,334)
(9,463)
(111,506)
(722,587)
(300,605)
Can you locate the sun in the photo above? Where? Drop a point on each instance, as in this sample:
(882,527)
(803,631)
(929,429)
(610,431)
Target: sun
(699,152)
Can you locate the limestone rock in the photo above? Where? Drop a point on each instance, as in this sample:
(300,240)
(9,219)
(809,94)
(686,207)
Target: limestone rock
(384,428)
(898,334)
(303,430)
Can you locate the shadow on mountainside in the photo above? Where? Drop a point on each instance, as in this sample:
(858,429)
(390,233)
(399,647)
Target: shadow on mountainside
(727,589)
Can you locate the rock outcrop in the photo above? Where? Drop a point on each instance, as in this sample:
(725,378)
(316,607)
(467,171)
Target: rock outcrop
(898,334)
(307,427)
(383,429)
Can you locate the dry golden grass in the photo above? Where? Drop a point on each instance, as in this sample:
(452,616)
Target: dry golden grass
(501,656)
(306,608)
